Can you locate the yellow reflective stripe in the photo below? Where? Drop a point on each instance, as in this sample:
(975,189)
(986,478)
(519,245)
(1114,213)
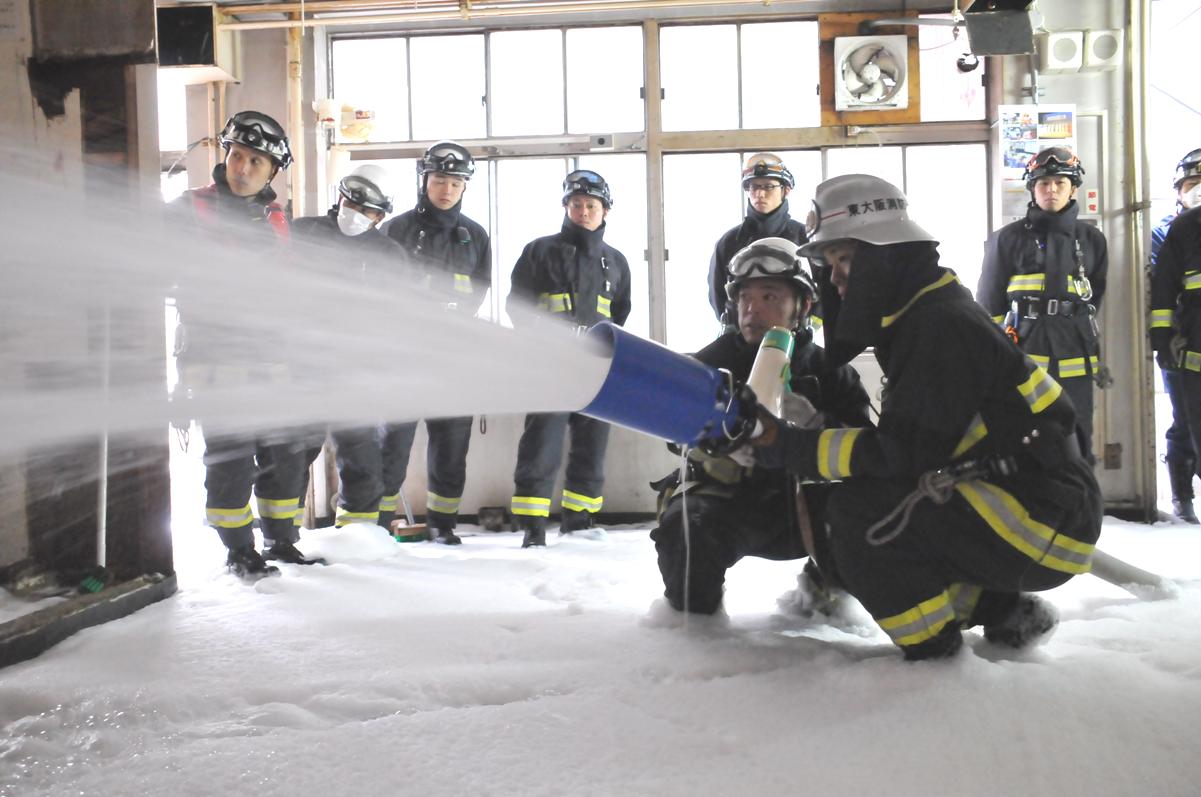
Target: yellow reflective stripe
(602,306)
(442,503)
(1161,319)
(582,503)
(834,448)
(815,321)
(530,506)
(976,431)
(998,319)
(1040,390)
(344,518)
(945,279)
(1072,286)
(389,502)
(1192,360)
(921,623)
(1027,283)
(555,302)
(462,283)
(1073,366)
(1040,360)
(964,598)
(1010,520)
(1092,360)
(278,508)
(1192,280)
(231,518)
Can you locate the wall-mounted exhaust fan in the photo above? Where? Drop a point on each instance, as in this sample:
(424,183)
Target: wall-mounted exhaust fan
(870,73)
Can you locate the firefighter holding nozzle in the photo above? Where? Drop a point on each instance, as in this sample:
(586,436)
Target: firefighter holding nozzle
(972,492)
(736,508)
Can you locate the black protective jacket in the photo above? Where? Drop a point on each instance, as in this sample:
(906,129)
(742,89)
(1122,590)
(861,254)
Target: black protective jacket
(1176,291)
(957,389)
(369,255)
(1034,263)
(573,275)
(255,225)
(756,225)
(453,251)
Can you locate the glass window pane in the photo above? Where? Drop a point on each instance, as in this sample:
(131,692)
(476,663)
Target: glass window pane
(603,90)
(779,75)
(373,75)
(695,216)
(948,94)
(699,72)
(961,227)
(529,193)
(625,226)
(448,87)
(883,162)
(527,82)
(806,168)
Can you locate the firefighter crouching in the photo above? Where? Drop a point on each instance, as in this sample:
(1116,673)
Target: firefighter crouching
(972,491)
(736,510)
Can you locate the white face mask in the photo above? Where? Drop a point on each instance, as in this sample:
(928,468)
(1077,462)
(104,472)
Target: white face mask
(1192,198)
(351,222)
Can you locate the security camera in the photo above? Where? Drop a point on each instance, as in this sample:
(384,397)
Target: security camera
(967,62)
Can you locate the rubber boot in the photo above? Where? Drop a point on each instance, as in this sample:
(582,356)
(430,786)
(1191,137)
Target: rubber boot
(1029,622)
(535,532)
(1180,475)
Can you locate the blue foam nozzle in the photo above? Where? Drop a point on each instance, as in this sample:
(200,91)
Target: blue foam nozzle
(655,390)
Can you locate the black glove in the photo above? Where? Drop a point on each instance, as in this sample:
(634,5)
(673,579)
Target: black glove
(768,447)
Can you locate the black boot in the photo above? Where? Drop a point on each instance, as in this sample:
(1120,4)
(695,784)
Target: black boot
(1029,622)
(535,532)
(1180,475)
(445,536)
(287,552)
(247,564)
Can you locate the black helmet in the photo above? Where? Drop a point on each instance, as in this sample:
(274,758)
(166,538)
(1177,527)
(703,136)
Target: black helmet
(259,132)
(766,164)
(1052,162)
(1189,166)
(368,186)
(769,257)
(447,157)
(589,183)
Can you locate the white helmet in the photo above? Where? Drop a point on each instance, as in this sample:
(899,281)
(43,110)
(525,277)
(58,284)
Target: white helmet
(370,186)
(862,208)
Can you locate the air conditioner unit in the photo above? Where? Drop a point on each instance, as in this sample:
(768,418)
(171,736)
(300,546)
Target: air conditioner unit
(1060,52)
(189,42)
(870,73)
(1102,50)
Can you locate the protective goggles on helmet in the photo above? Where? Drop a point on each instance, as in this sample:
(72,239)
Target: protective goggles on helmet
(365,193)
(760,260)
(589,183)
(1054,161)
(447,157)
(766,164)
(259,132)
(1189,166)
(768,257)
